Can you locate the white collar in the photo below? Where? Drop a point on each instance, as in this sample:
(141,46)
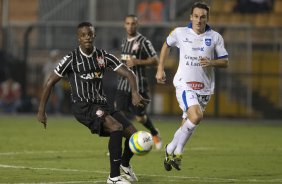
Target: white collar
(133,38)
(90,55)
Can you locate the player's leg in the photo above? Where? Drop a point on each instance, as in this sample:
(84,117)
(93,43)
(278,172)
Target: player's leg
(114,128)
(185,132)
(128,130)
(98,120)
(196,105)
(188,102)
(169,149)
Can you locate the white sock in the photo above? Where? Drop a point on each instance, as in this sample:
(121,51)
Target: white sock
(172,145)
(186,130)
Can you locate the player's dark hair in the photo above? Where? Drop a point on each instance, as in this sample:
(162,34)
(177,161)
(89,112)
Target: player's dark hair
(131,15)
(84,24)
(201,5)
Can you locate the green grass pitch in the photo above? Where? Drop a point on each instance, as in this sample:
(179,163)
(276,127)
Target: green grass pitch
(220,151)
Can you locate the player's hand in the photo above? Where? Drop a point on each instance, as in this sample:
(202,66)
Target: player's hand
(42,118)
(138,100)
(205,62)
(161,77)
(131,61)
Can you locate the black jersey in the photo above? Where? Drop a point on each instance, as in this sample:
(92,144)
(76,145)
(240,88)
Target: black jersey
(141,48)
(85,73)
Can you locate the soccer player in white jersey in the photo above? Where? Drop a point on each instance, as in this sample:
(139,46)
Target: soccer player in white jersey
(194,79)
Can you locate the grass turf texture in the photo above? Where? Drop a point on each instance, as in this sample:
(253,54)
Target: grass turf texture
(219,152)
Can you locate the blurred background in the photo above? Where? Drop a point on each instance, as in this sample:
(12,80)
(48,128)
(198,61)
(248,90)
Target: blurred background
(36,33)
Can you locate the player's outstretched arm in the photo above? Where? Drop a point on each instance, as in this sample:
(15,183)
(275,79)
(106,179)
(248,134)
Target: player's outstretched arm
(151,61)
(160,75)
(41,115)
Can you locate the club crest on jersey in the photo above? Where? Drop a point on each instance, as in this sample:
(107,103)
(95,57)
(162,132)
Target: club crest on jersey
(208,42)
(135,46)
(101,61)
(99,113)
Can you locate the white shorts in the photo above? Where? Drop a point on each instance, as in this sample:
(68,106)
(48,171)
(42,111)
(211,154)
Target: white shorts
(187,98)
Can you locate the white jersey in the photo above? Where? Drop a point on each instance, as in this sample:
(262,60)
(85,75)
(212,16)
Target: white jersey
(190,74)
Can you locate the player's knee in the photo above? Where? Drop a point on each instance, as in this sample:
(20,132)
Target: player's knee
(112,125)
(196,118)
(118,127)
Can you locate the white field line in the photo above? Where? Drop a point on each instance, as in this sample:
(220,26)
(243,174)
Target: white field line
(45,152)
(62,182)
(170,178)
(50,169)
(84,151)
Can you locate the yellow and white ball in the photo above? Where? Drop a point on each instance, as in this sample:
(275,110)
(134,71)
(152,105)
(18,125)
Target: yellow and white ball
(141,143)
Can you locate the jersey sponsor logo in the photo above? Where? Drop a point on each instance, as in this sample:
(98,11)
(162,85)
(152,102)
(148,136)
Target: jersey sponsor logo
(193,58)
(198,49)
(187,40)
(93,75)
(62,61)
(208,41)
(196,85)
(101,61)
(125,56)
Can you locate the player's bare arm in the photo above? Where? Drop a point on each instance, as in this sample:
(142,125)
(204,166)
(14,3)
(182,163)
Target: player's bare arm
(220,63)
(132,61)
(129,74)
(48,86)
(160,76)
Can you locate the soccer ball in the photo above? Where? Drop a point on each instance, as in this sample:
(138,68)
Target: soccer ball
(141,143)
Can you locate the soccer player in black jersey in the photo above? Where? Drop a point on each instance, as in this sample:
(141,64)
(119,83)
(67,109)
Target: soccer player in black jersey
(137,53)
(85,67)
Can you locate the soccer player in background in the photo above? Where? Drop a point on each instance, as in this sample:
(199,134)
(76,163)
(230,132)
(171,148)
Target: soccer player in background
(194,79)
(85,67)
(137,52)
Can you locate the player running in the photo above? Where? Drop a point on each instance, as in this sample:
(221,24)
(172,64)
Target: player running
(194,80)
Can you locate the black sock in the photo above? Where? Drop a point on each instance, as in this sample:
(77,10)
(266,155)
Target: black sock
(149,125)
(127,154)
(115,149)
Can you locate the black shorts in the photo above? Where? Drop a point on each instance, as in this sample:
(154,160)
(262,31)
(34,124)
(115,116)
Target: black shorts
(93,116)
(124,103)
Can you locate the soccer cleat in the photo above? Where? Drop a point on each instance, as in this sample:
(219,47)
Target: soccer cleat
(117,180)
(176,161)
(158,141)
(167,160)
(130,175)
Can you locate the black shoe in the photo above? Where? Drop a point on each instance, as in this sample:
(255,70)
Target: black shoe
(167,160)
(176,162)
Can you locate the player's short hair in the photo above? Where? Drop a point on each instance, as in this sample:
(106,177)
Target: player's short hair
(201,5)
(132,16)
(85,24)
